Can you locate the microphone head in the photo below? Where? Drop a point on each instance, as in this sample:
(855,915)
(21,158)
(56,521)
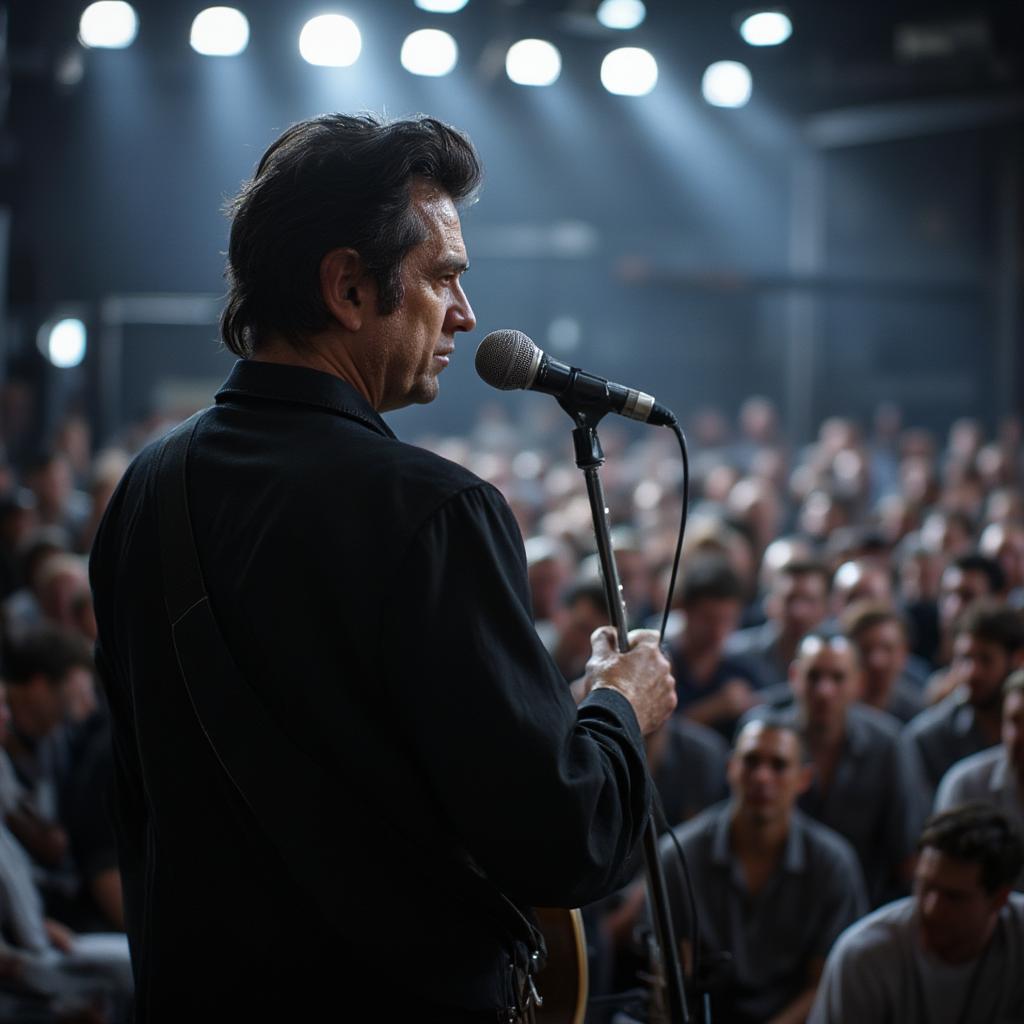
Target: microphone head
(507,360)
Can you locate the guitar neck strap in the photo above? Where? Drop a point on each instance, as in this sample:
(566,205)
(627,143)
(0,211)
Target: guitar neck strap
(284,789)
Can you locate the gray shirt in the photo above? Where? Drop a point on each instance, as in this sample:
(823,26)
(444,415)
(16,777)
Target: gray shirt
(773,935)
(984,776)
(878,972)
(942,735)
(871,800)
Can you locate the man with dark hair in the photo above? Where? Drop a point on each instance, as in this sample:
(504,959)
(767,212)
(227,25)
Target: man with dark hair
(995,775)
(713,688)
(988,645)
(952,951)
(796,604)
(880,635)
(368,603)
(861,786)
(773,888)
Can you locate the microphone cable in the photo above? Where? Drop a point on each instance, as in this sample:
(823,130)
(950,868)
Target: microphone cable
(657,808)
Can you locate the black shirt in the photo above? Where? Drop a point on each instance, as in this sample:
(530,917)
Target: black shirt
(375,598)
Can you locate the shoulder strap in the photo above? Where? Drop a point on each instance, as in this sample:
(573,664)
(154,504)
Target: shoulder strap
(291,815)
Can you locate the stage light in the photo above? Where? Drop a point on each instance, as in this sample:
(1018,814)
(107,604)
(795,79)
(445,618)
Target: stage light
(727,83)
(330,40)
(766,28)
(533,62)
(63,342)
(108,25)
(220,32)
(441,6)
(621,14)
(429,52)
(629,72)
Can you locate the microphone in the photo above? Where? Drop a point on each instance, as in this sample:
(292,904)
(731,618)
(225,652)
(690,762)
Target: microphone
(509,360)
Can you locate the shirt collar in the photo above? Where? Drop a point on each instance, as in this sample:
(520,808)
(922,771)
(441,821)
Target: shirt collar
(300,385)
(794,858)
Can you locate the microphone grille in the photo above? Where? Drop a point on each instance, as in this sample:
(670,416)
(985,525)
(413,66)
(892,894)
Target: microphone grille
(507,360)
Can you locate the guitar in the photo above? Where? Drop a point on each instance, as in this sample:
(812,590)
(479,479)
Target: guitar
(562,984)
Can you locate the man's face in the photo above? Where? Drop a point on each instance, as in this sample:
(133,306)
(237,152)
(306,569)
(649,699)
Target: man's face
(798,602)
(78,694)
(982,666)
(883,653)
(956,914)
(416,340)
(580,620)
(765,773)
(958,589)
(709,621)
(1013,730)
(825,681)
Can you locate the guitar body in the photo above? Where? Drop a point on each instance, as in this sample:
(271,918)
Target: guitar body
(563,982)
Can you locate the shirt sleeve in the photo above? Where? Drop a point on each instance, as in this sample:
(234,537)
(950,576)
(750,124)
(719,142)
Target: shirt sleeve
(850,991)
(549,799)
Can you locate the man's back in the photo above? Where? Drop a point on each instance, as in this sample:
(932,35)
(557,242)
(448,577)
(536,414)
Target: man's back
(374,598)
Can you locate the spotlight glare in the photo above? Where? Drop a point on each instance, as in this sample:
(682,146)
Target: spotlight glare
(621,14)
(441,6)
(533,62)
(766,28)
(629,71)
(63,342)
(727,83)
(220,32)
(429,52)
(330,40)
(108,25)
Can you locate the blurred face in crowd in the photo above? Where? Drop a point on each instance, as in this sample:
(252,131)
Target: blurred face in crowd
(825,679)
(52,485)
(766,774)
(798,603)
(883,657)
(1004,543)
(956,913)
(981,666)
(636,579)
(579,621)
(78,694)
(860,581)
(548,578)
(958,589)
(1013,730)
(709,621)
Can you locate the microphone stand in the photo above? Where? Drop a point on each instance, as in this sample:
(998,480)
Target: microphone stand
(589,458)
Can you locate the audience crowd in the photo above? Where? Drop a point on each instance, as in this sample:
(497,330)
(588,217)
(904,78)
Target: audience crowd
(844,773)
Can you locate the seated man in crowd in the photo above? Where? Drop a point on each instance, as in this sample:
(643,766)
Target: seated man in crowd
(796,604)
(988,645)
(712,688)
(773,888)
(687,762)
(951,952)
(861,787)
(42,962)
(879,633)
(995,775)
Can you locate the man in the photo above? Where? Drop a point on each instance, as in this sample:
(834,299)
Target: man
(879,633)
(988,645)
(584,609)
(796,604)
(997,774)
(952,951)
(861,787)
(374,599)
(773,888)
(712,688)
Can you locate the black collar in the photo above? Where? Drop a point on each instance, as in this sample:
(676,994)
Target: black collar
(279,382)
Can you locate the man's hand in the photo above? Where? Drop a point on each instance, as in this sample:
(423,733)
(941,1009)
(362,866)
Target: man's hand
(60,935)
(642,675)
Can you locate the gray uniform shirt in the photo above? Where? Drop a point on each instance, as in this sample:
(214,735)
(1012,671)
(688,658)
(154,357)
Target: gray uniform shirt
(877,972)
(984,776)
(942,735)
(816,891)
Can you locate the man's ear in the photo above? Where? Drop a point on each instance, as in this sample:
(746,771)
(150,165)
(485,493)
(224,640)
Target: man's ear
(347,290)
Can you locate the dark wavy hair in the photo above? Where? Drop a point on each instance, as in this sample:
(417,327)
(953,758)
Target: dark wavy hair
(334,181)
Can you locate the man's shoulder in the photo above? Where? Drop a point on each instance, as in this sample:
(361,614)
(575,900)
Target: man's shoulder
(825,848)
(975,771)
(934,720)
(878,935)
(699,832)
(877,726)
(688,736)
(752,640)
